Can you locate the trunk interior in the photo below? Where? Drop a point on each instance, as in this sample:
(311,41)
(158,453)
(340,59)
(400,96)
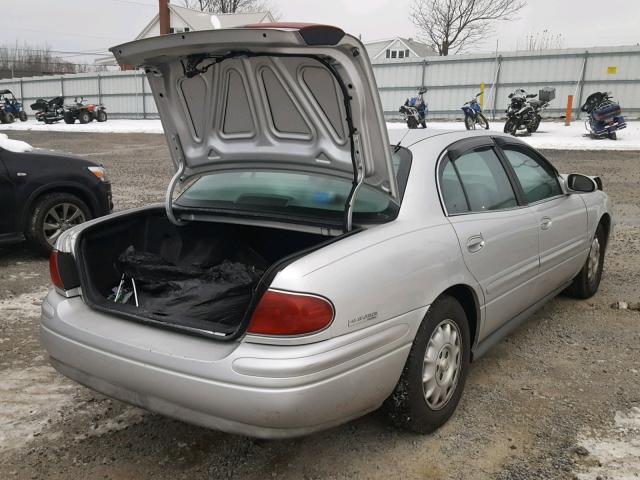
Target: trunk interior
(201,278)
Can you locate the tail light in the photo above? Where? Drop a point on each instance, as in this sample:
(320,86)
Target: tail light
(64,274)
(285,313)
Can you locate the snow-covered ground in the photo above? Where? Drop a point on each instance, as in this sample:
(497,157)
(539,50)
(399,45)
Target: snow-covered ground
(551,135)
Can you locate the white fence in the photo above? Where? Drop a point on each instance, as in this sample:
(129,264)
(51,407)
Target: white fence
(450,81)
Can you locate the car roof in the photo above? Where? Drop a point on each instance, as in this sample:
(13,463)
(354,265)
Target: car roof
(437,137)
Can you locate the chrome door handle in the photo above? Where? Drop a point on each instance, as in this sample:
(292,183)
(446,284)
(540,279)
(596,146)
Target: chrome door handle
(475,243)
(545,223)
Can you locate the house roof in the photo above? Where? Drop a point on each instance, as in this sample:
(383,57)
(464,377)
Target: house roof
(418,49)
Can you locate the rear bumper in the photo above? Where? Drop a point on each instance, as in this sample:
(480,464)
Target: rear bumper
(257,390)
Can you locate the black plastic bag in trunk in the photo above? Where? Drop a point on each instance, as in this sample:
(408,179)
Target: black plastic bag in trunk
(200,294)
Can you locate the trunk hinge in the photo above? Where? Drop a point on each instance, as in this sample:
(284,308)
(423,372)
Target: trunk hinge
(358,179)
(177,179)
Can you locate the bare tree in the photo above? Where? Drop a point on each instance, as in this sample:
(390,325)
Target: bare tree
(227,6)
(545,40)
(451,26)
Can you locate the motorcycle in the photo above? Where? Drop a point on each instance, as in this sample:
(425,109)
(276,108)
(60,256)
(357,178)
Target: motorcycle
(473,114)
(524,113)
(49,111)
(604,115)
(414,111)
(84,112)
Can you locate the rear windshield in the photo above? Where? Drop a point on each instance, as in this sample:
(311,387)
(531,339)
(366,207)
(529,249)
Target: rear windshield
(294,194)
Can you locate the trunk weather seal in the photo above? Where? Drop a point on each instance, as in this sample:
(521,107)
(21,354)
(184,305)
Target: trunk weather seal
(190,69)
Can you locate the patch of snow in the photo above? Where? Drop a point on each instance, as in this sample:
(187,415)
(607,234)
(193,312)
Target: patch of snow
(616,452)
(17,146)
(110,126)
(556,136)
(31,398)
(22,307)
(552,135)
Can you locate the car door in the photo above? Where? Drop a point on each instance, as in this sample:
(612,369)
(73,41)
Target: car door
(7,199)
(561,218)
(498,236)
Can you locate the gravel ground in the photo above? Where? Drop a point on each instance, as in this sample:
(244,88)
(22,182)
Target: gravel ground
(559,398)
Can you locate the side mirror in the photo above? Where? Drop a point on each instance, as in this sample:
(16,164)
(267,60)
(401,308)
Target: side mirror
(580,183)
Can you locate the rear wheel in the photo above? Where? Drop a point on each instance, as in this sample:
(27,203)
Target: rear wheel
(586,283)
(84,116)
(483,122)
(434,375)
(22,116)
(102,116)
(612,136)
(69,118)
(469,123)
(53,214)
(535,124)
(8,118)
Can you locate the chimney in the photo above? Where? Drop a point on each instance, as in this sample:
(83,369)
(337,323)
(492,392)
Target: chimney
(163,12)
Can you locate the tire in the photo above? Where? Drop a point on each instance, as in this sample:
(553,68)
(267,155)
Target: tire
(469,123)
(9,118)
(482,121)
(408,406)
(69,118)
(22,116)
(412,123)
(586,283)
(102,116)
(36,231)
(536,123)
(84,116)
(510,127)
(612,135)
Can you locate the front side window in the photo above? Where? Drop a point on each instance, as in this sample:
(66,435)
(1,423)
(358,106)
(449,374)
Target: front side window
(484,182)
(538,182)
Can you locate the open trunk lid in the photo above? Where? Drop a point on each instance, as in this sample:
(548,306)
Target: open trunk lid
(294,97)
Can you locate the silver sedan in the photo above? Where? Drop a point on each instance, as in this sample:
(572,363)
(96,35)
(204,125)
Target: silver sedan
(315,266)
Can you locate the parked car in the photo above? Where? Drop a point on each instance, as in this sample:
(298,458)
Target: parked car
(317,266)
(44,193)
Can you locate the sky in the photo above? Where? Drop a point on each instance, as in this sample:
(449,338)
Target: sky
(70,26)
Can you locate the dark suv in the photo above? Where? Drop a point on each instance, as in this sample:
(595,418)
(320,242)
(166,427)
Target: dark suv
(43,194)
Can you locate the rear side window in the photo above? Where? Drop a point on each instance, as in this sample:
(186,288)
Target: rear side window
(537,180)
(484,181)
(452,193)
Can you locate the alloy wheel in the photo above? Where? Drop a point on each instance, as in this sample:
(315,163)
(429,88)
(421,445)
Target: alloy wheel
(59,218)
(594,260)
(442,362)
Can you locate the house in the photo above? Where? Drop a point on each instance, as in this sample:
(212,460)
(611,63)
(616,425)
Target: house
(176,19)
(398,49)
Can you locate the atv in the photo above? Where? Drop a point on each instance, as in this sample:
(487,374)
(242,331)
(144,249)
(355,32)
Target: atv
(10,108)
(84,112)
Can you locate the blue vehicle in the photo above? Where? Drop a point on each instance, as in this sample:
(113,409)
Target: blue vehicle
(415,109)
(604,116)
(473,114)
(10,108)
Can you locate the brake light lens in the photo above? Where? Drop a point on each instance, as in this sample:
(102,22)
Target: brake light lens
(284,313)
(63,270)
(54,269)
